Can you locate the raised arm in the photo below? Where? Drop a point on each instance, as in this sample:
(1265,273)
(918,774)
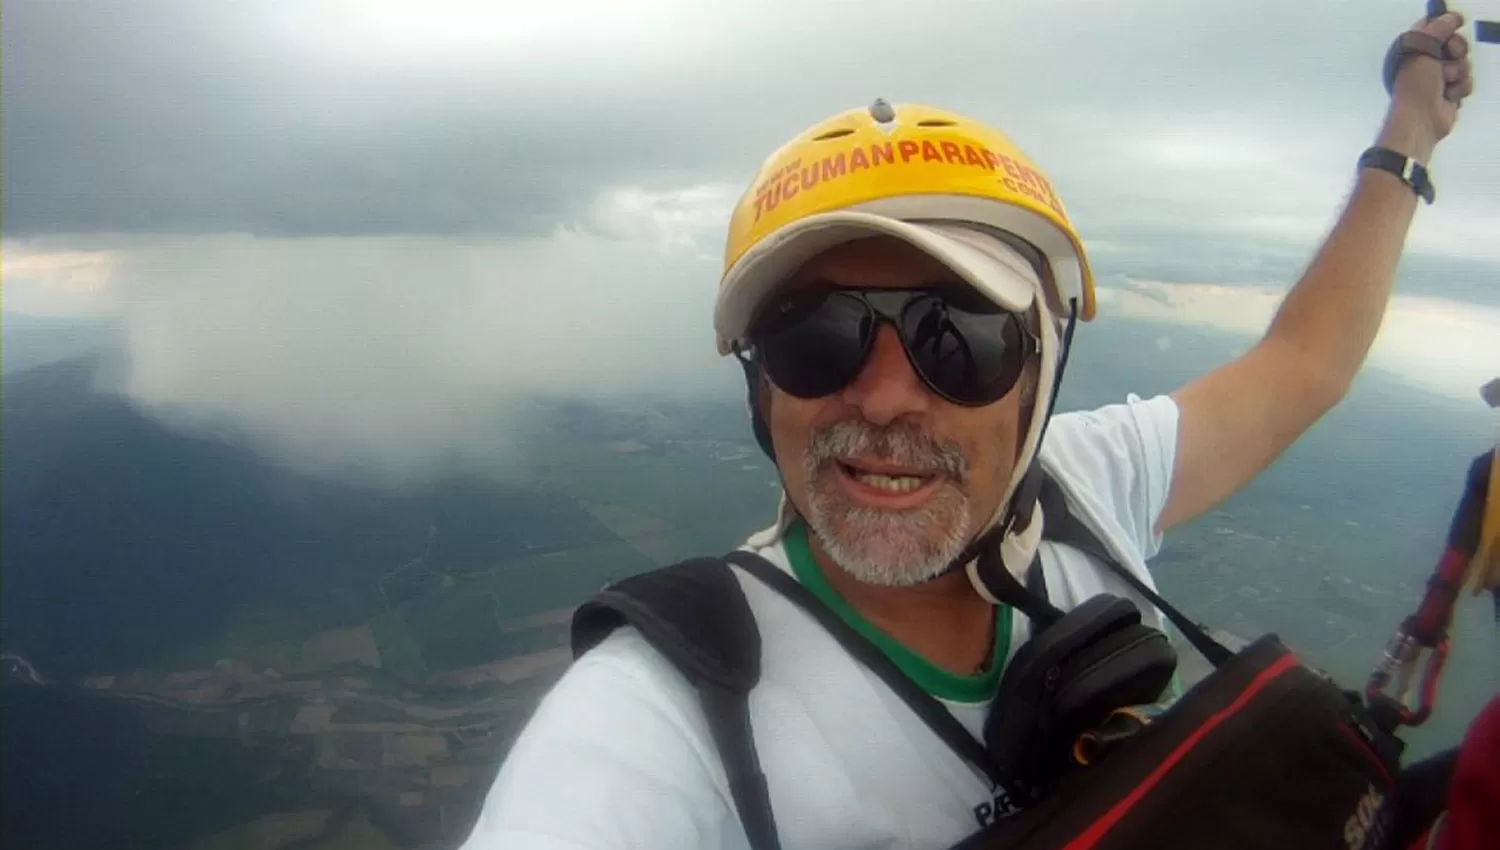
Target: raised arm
(1238,419)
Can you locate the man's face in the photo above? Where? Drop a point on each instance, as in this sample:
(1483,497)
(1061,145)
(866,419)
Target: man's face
(892,479)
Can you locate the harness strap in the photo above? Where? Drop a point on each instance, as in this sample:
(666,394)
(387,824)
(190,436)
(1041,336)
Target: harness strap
(1069,529)
(695,614)
(728,714)
(933,713)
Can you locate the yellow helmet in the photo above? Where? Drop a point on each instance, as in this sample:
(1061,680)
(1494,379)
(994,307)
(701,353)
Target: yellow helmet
(919,173)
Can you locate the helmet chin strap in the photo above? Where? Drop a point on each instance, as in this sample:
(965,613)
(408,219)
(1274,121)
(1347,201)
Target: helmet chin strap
(1018,528)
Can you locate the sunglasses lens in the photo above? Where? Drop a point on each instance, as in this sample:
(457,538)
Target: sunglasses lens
(813,342)
(966,347)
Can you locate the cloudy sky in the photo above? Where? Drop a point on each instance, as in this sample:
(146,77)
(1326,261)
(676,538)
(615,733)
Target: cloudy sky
(399,211)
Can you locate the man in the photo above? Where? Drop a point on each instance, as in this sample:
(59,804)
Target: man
(898,281)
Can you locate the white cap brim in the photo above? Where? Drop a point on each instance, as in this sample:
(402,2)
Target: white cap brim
(983,261)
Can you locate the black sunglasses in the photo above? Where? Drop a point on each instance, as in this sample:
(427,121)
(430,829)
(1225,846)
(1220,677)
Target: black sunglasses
(813,341)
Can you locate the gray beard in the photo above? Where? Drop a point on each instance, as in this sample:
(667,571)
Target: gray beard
(879,547)
(890,548)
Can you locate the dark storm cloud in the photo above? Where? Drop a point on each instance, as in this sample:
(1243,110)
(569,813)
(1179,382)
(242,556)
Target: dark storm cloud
(308,118)
(173,117)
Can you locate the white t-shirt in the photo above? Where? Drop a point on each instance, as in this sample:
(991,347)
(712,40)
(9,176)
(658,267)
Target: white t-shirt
(618,754)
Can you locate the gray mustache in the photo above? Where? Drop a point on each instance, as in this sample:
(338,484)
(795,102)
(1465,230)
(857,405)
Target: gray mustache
(902,444)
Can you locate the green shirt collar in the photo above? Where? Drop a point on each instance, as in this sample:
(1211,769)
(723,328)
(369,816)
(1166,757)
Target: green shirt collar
(935,680)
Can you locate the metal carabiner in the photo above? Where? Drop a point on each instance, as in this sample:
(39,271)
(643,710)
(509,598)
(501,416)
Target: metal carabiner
(1400,662)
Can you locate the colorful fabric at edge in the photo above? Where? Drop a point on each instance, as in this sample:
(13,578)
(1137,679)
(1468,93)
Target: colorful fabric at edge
(1472,817)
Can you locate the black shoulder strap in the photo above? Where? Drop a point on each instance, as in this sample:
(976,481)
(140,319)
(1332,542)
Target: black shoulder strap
(1066,528)
(695,614)
(938,718)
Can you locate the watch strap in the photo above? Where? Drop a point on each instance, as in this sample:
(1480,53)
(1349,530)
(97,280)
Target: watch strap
(1411,172)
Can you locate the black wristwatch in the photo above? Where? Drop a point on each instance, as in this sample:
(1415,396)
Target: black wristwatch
(1411,172)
